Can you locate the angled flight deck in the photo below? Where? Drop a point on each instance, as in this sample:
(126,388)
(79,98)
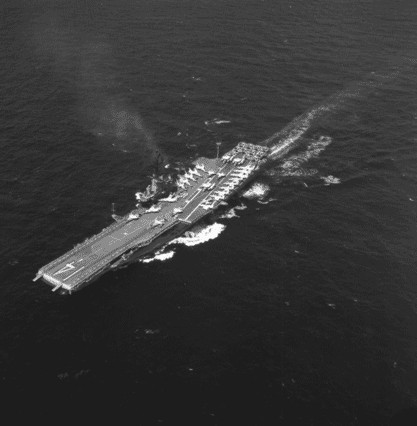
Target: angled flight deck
(199,191)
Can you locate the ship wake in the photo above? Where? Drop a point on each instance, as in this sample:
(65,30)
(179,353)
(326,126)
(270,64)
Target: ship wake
(160,255)
(258,190)
(231,213)
(199,234)
(286,139)
(280,143)
(295,165)
(289,137)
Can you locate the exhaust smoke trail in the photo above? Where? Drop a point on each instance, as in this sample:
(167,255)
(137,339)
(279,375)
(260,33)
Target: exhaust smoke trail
(120,125)
(87,64)
(104,106)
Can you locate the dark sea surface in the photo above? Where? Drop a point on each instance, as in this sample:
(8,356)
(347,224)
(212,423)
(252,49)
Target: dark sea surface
(303,310)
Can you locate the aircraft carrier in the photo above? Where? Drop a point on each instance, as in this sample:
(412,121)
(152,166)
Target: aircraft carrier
(207,184)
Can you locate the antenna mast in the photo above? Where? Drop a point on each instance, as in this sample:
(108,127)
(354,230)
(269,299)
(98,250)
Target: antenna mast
(218,148)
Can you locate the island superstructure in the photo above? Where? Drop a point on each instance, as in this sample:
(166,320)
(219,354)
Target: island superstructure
(208,184)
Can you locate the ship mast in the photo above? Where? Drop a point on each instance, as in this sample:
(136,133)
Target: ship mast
(218,149)
(159,160)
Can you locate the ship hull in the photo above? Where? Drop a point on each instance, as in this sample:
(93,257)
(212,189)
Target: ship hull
(202,191)
(134,256)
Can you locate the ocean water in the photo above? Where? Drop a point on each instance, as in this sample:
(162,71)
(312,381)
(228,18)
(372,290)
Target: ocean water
(296,306)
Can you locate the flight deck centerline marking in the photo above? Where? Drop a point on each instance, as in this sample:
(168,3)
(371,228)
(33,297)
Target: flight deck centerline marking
(69,276)
(192,198)
(66,268)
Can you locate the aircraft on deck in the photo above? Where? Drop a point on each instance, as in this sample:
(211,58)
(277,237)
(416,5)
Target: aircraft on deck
(170,199)
(133,216)
(153,209)
(157,222)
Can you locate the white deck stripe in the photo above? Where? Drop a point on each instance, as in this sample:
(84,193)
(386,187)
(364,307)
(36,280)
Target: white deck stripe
(192,198)
(69,276)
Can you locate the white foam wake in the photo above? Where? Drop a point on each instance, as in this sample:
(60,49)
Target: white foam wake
(287,137)
(241,207)
(216,121)
(229,214)
(269,200)
(257,190)
(330,180)
(293,166)
(159,255)
(200,234)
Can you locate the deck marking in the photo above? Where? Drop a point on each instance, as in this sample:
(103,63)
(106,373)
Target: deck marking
(66,268)
(192,198)
(78,270)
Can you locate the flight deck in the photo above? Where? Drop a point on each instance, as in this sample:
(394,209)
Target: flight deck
(199,191)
